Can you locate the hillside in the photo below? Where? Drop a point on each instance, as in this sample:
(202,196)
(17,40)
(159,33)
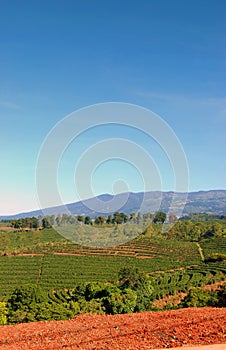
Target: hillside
(202,201)
(146,330)
(63,263)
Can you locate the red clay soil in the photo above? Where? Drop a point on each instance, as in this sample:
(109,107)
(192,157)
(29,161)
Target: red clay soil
(146,330)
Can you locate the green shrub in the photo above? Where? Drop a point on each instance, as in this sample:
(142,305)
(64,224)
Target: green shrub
(140,283)
(120,302)
(93,306)
(197,297)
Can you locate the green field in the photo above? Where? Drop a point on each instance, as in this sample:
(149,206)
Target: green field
(57,263)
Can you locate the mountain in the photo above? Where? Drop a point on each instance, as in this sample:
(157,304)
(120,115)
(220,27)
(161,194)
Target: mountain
(213,201)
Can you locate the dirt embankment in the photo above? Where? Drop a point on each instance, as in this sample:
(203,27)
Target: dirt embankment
(147,330)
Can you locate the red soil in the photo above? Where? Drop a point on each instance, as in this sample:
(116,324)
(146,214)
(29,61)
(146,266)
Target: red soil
(146,330)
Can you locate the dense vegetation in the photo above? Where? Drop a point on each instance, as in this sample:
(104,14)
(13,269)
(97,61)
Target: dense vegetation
(133,292)
(44,276)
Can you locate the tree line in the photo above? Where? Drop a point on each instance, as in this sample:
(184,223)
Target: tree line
(117,218)
(195,231)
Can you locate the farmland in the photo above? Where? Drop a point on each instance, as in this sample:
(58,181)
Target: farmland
(49,260)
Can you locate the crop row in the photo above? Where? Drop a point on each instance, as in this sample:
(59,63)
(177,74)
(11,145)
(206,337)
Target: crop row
(169,283)
(164,283)
(64,271)
(17,271)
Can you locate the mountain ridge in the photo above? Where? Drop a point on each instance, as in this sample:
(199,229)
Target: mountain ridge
(211,201)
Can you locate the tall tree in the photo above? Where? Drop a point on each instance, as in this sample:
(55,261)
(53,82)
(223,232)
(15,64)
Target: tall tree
(159,218)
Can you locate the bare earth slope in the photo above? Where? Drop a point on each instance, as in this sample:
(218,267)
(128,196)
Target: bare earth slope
(146,330)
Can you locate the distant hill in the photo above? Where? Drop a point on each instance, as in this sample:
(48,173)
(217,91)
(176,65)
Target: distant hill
(213,201)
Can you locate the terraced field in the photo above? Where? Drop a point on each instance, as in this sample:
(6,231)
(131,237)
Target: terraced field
(56,264)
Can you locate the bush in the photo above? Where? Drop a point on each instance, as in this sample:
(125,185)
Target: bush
(93,306)
(197,297)
(120,302)
(140,283)
(28,304)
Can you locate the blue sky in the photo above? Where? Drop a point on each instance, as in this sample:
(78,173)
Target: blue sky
(61,55)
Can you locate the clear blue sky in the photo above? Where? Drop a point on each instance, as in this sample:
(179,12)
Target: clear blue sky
(60,55)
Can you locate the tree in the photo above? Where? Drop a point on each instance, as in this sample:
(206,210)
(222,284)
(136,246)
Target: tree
(21,302)
(109,219)
(181,230)
(80,219)
(94,306)
(64,219)
(100,220)
(139,282)
(120,218)
(119,301)
(159,218)
(198,297)
(88,220)
(45,223)
(133,217)
(213,229)
(34,223)
(95,290)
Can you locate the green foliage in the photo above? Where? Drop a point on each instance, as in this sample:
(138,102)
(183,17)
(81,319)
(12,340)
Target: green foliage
(31,303)
(120,218)
(197,217)
(3,313)
(22,301)
(25,223)
(24,296)
(88,221)
(97,297)
(95,290)
(140,283)
(92,306)
(45,311)
(64,271)
(80,218)
(150,231)
(133,292)
(159,217)
(99,220)
(214,245)
(46,223)
(197,297)
(119,302)
(195,231)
